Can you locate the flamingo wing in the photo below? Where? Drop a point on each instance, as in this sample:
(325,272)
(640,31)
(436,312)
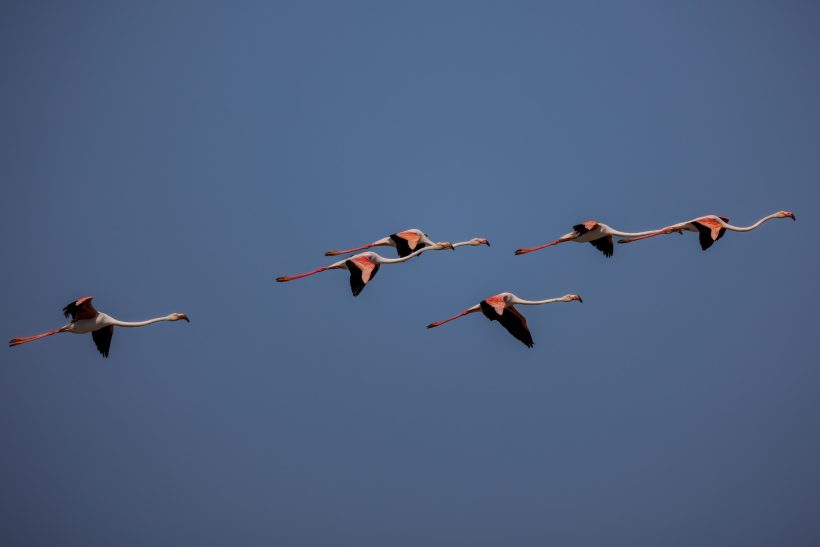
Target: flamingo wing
(407,242)
(80,309)
(585,227)
(709,231)
(512,320)
(604,244)
(102,339)
(361,272)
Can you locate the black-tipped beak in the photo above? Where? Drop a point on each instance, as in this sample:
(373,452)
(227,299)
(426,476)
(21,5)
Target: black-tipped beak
(794,217)
(581,300)
(488,243)
(186,318)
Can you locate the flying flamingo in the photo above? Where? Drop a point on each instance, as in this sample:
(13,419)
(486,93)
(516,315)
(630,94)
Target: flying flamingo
(591,231)
(500,308)
(406,242)
(710,228)
(84,319)
(364,266)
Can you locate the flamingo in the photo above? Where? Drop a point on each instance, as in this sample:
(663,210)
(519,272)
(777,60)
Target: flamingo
(405,243)
(501,308)
(710,228)
(364,266)
(84,319)
(591,231)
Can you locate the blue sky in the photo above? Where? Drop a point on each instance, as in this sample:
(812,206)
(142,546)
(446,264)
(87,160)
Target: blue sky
(178,156)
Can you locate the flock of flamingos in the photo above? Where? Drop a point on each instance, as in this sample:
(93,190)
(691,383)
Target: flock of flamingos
(363,267)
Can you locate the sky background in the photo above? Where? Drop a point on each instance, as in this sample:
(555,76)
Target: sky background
(177,156)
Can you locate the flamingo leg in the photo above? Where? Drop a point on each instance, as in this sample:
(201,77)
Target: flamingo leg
(299,276)
(531,249)
(462,314)
(348,251)
(18,341)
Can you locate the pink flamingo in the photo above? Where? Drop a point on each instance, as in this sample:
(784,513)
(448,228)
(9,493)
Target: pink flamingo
(591,231)
(405,243)
(364,266)
(710,228)
(501,308)
(85,319)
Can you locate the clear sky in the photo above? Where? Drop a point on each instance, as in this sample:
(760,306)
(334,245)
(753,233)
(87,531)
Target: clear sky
(177,156)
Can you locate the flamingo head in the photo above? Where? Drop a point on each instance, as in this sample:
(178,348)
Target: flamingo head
(178,316)
(786,214)
(479,241)
(571,297)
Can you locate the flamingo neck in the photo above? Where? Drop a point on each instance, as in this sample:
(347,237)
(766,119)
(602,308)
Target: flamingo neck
(463,243)
(650,234)
(632,234)
(382,260)
(748,228)
(536,302)
(118,323)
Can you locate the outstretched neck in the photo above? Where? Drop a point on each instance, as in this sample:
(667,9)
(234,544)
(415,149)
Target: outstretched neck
(631,234)
(523,302)
(748,228)
(383,260)
(118,323)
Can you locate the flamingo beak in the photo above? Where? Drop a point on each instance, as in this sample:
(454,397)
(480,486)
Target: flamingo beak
(793,217)
(185,317)
(487,242)
(581,300)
